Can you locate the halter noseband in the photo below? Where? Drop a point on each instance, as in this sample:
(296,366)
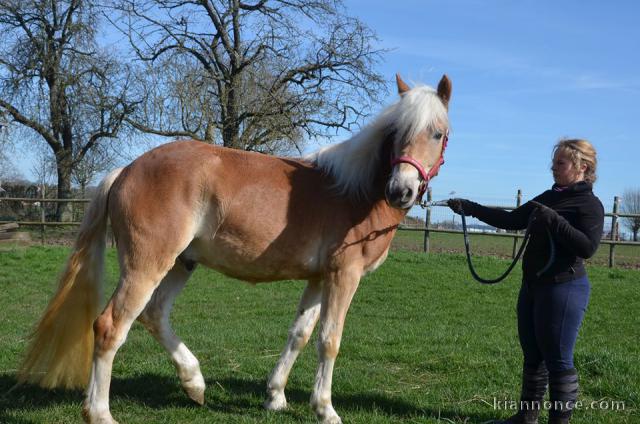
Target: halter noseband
(426,176)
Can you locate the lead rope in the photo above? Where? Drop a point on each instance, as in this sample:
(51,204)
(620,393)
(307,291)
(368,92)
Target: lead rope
(467,249)
(527,235)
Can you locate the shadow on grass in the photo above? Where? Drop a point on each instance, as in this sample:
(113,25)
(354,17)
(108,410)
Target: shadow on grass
(228,395)
(243,392)
(28,397)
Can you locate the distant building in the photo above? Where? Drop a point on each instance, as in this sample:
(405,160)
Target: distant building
(481,229)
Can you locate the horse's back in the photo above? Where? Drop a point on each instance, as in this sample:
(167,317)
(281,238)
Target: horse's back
(246,214)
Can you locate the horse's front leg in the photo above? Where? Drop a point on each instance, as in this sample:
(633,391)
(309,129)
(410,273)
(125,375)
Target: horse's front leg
(338,290)
(306,318)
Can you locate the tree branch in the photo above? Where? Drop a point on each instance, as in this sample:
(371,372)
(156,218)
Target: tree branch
(34,125)
(167,133)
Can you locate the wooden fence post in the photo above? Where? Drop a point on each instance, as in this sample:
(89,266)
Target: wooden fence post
(614,227)
(427,222)
(42,213)
(515,239)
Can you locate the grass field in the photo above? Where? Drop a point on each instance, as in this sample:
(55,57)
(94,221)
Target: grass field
(422,343)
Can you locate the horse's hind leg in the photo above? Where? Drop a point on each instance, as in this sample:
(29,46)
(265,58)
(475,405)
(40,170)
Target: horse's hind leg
(155,318)
(110,330)
(305,321)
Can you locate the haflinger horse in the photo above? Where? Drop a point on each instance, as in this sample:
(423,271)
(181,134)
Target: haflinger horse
(328,218)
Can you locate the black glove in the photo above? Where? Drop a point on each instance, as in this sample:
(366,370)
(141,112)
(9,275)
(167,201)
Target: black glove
(543,214)
(462,206)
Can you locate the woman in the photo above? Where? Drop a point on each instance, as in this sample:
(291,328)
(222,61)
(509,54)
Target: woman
(551,306)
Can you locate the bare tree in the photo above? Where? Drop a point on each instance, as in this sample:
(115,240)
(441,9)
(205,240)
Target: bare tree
(4,130)
(631,205)
(95,162)
(57,82)
(43,167)
(256,75)
(8,171)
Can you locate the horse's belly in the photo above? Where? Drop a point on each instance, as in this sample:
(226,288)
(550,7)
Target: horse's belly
(246,261)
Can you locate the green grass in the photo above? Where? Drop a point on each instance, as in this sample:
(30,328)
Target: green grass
(422,343)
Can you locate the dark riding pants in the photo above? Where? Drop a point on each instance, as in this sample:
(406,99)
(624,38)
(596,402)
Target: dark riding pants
(549,317)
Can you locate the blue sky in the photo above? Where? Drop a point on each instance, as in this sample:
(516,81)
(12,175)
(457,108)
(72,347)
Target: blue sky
(524,73)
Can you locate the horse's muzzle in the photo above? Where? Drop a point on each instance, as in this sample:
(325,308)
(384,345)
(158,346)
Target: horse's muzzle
(398,196)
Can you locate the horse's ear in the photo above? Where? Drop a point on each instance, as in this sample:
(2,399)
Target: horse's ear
(402,86)
(444,90)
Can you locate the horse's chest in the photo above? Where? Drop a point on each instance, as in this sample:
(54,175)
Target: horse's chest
(372,266)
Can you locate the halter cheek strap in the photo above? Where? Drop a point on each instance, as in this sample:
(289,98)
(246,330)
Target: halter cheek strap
(426,176)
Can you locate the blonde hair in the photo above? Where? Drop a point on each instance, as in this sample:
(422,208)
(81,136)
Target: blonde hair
(580,152)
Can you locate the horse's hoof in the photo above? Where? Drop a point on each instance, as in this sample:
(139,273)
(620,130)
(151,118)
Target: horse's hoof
(102,419)
(328,415)
(196,394)
(332,420)
(276,402)
(194,388)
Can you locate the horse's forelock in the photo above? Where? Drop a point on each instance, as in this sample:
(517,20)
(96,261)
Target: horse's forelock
(418,110)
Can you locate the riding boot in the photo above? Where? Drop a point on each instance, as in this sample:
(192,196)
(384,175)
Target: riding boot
(563,393)
(534,386)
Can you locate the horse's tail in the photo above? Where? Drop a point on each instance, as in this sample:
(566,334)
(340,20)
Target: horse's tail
(61,347)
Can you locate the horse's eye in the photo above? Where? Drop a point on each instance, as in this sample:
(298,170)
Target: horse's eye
(437,135)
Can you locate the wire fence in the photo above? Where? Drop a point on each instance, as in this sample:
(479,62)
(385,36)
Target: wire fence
(437,228)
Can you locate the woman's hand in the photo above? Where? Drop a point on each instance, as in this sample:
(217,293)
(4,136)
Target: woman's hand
(544,214)
(462,206)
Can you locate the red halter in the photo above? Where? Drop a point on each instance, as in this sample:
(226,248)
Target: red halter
(426,176)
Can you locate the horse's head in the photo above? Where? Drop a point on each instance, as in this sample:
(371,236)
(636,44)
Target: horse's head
(420,127)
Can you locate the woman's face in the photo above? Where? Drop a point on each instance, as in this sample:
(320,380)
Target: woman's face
(564,173)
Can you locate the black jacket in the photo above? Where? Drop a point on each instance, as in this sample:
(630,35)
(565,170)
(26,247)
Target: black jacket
(576,230)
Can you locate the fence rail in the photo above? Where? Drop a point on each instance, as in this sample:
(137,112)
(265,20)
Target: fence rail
(39,200)
(508,235)
(613,241)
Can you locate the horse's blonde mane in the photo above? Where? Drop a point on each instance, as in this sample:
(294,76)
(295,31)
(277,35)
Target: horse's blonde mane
(354,162)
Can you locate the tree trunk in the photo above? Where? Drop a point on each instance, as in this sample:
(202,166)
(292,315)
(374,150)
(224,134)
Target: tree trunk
(210,132)
(230,126)
(64,167)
